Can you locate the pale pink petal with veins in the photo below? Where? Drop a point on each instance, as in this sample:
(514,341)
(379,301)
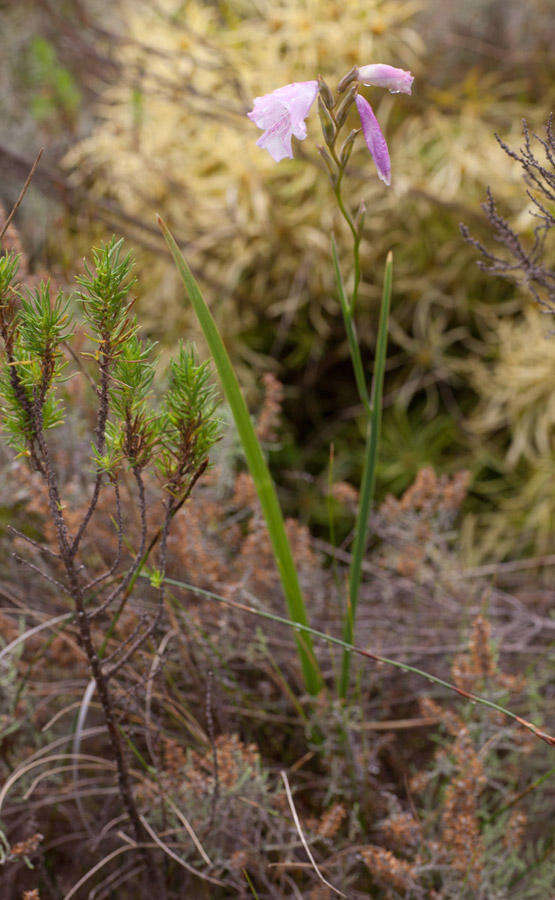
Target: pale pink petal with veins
(277,139)
(281,114)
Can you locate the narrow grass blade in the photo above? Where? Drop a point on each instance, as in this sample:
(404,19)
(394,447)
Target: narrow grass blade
(354,348)
(50,623)
(256,462)
(367,654)
(301,834)
(368,477)
(251,885)
(77,738)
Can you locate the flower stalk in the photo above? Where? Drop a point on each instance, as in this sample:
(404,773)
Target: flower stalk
(281,115)
(372,403)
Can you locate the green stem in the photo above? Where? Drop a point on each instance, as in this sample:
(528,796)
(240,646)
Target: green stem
(354,348)
(356,281)
(354,231)
(346,216)
(368,478)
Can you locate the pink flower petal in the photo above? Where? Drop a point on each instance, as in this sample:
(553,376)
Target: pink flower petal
(266,111)
(281,114)
(398,81)
(277,139)
(374,138)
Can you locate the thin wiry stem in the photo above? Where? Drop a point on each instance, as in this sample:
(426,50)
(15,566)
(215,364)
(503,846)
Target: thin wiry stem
(45,575)
(212,738)
(102,418)
(126,589)
(352,648)
(163,553)
(163,846)
(125,642)
(23,191)
(357,235)
(117,560)
(367,484)
(42,547)
(76,591)
(129,580)
(155,665)
(135,646)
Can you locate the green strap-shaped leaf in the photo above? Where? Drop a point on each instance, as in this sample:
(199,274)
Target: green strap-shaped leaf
(256,463)
(368,477)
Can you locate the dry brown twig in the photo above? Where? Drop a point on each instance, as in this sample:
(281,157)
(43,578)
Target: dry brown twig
(23,191)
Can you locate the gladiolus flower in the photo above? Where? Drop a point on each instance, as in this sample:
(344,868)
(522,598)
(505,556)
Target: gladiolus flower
(374,138)
(397,81)
(281,114)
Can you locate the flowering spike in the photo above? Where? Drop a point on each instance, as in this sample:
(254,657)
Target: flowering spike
(374,138)
(281,115)
(397,81)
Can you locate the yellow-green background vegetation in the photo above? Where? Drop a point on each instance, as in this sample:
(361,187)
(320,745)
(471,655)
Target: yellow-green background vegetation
(152,119)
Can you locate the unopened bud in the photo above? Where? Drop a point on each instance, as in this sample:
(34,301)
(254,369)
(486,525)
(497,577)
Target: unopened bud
(328,125)
(325,92)
(345,151)
(347,79)
(329,164)
(345,105)
(360,216)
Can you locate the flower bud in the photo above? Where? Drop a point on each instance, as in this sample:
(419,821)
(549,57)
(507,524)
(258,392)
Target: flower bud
(325,92)
(397,81)
(375,141)
(329,164)
(328,125)
(360,216)
(345,105)
(345,151)
(347,79)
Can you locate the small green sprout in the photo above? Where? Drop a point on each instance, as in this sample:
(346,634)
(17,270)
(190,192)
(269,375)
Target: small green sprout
(33,327)
(104,292)
(156,578)
(189,426)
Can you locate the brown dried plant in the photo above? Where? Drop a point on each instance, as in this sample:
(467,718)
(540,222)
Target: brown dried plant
(529,266)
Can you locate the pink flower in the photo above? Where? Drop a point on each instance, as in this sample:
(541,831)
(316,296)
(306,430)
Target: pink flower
(281,114)
(374,138)
(398,81)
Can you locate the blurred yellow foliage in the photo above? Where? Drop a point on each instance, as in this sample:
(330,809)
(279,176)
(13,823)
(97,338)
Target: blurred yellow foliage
(516,390)
(517,402)
(171,136)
